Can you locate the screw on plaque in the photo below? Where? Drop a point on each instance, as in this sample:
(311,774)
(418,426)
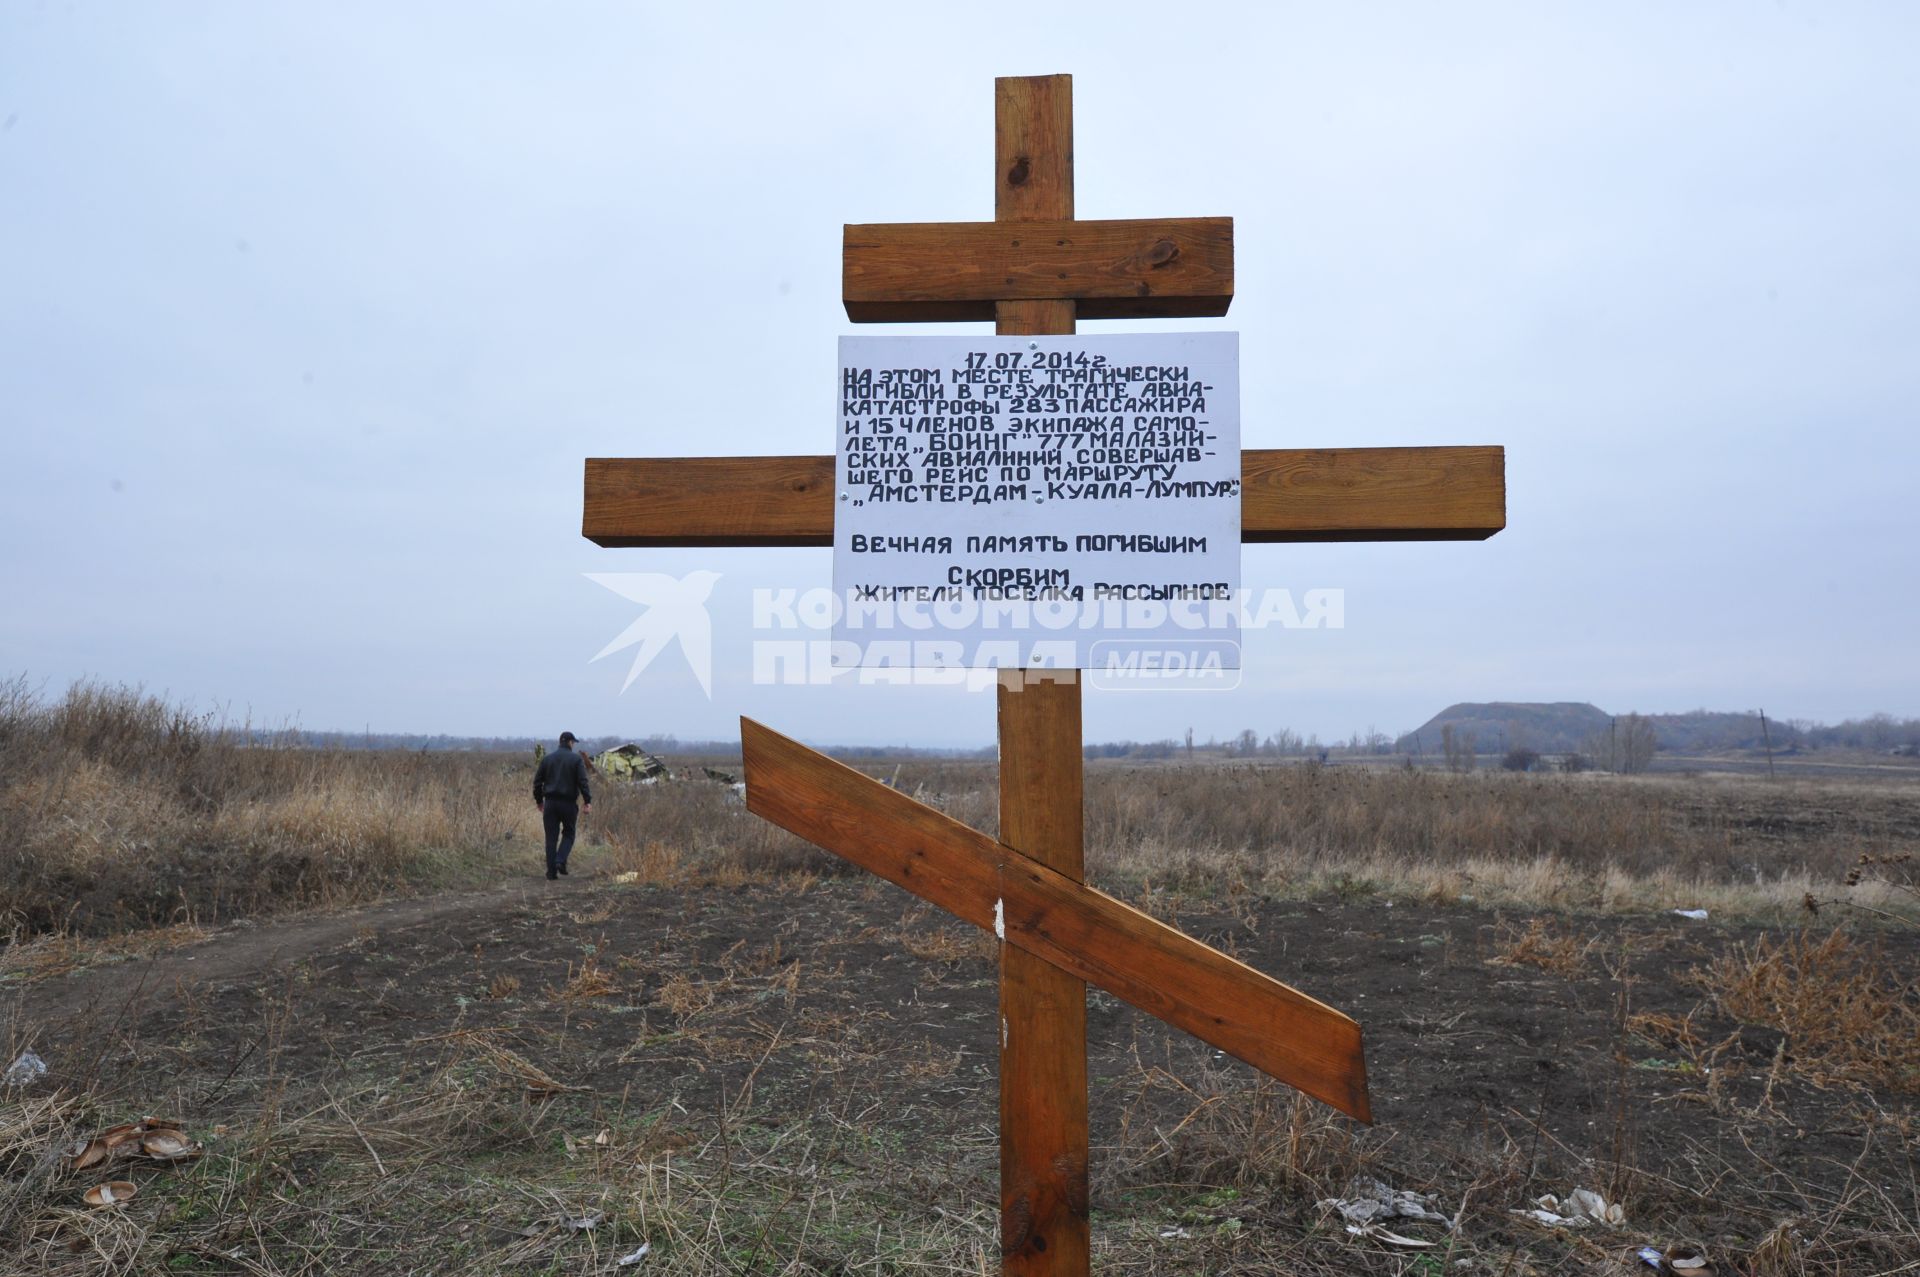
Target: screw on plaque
(843,496)
(1033,345)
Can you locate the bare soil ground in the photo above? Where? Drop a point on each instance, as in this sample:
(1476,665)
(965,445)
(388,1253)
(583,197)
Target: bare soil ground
(798,1076)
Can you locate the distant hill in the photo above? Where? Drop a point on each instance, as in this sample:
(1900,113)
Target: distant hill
(1563,726)
(1556,727)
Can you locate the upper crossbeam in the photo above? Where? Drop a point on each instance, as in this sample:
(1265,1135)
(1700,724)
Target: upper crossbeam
(1167,268)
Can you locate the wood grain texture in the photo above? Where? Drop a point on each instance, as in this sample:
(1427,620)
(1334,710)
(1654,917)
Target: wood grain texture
(1137,958)
(1045,1227)
(722,501)
(1288,494)
(1044,1222)
(1373,494)
(926,272)
(1033,148)
(1040,767)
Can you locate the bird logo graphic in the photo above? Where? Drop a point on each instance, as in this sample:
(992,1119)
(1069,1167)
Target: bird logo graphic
(676,608)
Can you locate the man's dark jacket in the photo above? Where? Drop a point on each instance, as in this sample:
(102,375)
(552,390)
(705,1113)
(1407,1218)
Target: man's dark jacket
(562,776)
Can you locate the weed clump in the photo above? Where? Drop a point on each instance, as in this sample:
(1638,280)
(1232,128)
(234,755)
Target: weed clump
(1543,946)
(1847,1016)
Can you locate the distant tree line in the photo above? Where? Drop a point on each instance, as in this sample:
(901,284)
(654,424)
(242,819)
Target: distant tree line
(1877,732)
(1628,745)
(1152,749)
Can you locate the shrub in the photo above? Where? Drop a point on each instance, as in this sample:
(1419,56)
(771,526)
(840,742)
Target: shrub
(1519,759)
(1847,1014)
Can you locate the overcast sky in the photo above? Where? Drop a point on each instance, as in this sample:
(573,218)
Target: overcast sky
(311,312)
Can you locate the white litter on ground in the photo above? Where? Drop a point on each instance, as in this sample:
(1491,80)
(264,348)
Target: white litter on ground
(1369,1201)
(1582,1207)
(28,1068)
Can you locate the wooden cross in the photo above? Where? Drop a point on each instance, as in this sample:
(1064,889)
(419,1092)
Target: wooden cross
(1035,270)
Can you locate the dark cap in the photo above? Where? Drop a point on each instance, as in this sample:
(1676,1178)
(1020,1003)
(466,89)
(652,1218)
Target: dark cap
(567,738)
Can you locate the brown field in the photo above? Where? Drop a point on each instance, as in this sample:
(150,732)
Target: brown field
(403,1052)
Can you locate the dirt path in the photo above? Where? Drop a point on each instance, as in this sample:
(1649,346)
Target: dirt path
(253,950)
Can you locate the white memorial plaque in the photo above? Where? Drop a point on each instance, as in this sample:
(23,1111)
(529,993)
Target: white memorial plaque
(1038,501)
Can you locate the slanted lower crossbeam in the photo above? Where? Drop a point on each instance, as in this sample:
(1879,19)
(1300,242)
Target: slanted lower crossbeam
(1069,925)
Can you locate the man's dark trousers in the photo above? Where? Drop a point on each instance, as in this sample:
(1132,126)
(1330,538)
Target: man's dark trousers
(559,816)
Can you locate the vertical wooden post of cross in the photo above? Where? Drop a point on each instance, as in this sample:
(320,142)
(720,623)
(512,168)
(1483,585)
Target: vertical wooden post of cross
(1043,1010)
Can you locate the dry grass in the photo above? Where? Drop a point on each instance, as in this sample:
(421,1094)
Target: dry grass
(123,813)
(120,812)
(455,1170)
(1848,1017)
(1582,842)
(1542,944)
(685,998)
(950,944)
(586,980)
(30,957)
(474,1160)
(450,1166)
(1199,1122)
(1735,846)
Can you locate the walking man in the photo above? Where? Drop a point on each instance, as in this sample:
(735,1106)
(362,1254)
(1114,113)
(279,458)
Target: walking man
(560,792)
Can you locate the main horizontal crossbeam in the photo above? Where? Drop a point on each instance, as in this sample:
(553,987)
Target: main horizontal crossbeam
(937,271)
(1092,936)
(1287,494)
